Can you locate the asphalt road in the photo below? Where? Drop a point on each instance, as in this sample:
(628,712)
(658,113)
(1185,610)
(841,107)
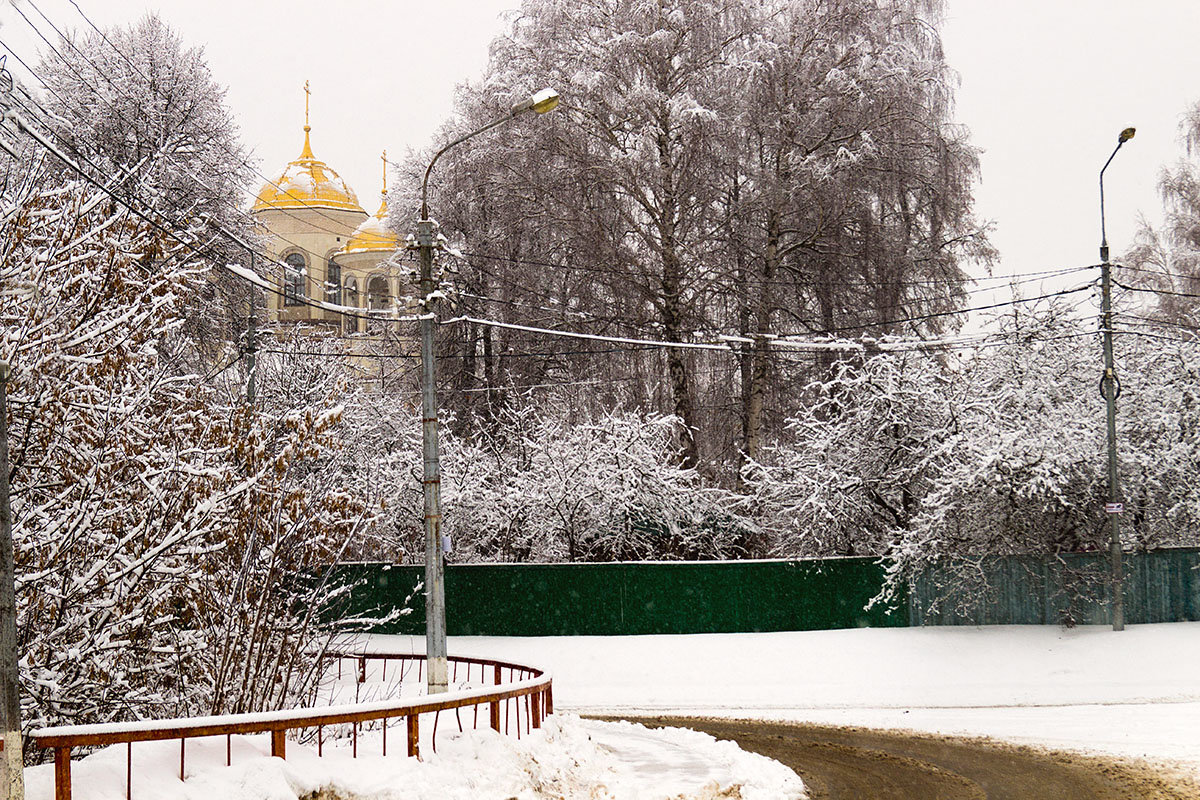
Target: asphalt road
(862,764)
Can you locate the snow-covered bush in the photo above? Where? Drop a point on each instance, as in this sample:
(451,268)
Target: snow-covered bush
(859,458)
(538,486)
(603,489)
(939,462)
(159,524)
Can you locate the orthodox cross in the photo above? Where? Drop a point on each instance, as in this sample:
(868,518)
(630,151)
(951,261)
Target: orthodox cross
(307,93)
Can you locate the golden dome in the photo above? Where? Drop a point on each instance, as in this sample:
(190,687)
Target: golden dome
(372,235)
(307,182)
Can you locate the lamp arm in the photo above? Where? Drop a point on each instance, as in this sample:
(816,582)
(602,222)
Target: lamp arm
(1103,235)
(438,154)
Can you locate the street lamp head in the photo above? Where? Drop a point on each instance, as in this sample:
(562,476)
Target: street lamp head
(1126,135)
(541,102)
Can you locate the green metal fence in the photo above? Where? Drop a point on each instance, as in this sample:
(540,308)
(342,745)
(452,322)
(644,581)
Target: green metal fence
(631,598)
(1159,586)
(731,596)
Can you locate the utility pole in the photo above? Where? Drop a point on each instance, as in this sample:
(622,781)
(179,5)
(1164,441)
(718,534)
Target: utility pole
(10,687)
(1114,507)
(1110,397)
(435,589)
(435,547)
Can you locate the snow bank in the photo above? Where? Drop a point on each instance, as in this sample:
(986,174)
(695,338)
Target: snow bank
(568,757)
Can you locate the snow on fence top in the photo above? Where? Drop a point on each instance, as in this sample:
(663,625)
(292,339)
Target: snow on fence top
(537,689)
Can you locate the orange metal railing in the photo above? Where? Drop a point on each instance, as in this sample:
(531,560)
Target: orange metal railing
(506,684)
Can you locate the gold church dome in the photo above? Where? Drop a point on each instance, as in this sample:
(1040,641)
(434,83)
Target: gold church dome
(308,182)
(372,235)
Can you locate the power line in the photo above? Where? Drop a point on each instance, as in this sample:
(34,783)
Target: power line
(228,151)
(1159,272)
(256,279)
(1026,276)
(938,314)
(1168,292)
(83,79)
(1156,322)
(1158,336)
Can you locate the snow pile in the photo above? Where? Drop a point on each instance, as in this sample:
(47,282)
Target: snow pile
(567,757)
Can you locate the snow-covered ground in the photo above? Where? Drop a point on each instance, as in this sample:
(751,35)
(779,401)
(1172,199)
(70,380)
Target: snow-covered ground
(1135,693)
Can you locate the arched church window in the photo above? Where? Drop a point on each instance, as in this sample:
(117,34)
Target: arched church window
(350,296)
(294,275)
(333,282)
(377,291)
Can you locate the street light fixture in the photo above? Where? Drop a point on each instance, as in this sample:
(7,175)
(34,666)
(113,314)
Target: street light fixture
(1111,388)
(435,546)
(1124,137)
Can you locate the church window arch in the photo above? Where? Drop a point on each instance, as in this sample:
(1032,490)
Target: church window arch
(350,296)
(333,281)
(295,274)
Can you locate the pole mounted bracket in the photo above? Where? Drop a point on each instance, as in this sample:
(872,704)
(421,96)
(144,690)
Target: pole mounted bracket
(425,232)
(1105,377)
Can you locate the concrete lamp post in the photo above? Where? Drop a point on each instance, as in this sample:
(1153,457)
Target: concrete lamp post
(1111,388)
(435,546)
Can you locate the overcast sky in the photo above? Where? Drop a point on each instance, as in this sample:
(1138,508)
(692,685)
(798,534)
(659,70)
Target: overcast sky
(1046,85)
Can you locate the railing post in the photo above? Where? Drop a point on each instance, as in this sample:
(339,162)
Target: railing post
(62,773)
(549,700)
(494,715)
(536,712)
(414,721)
(278,744)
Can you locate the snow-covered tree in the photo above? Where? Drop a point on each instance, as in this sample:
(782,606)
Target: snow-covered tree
(162,530)
(727,166)
(860,457)
(1167,259)
(848,191)
(140,110)
(137,100)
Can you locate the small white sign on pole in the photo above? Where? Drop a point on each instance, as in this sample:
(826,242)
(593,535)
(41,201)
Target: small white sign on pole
(1114,508)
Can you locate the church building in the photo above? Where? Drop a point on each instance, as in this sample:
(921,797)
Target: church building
(331,248)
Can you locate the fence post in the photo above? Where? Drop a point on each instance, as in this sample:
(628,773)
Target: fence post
(549,700)
(536,712)
(414,721)
(62,773)
(278,744)
(494,715)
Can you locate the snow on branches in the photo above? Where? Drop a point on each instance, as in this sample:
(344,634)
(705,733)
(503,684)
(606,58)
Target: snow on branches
(159,524)
(941,462)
